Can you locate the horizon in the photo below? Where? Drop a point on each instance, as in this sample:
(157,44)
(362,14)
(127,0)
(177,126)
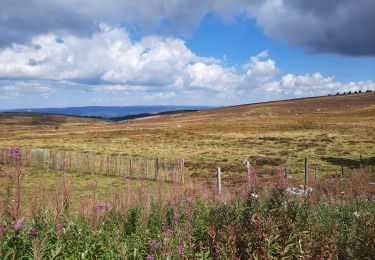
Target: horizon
(104,106)
(182,53)
(191,106)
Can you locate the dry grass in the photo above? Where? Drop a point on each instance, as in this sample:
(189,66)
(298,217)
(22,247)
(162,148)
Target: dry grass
(329,130)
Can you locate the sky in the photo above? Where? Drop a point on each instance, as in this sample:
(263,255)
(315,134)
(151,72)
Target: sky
(64,53)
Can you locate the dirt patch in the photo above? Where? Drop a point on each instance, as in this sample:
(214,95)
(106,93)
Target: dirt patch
(327,139)
(350,163)
(212,166)
(282,140)
(284,153)
(266,161)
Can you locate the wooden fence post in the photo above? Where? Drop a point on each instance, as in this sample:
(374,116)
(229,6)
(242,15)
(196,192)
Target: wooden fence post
(218,180)
(306,172)
(248,165)
(156,168)
(250,176)
(316,169)
(182,165)
(285,174)
(130,168)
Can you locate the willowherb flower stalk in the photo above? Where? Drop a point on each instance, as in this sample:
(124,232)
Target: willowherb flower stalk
(2,208)
(63,193)
(251,177)
(280,177)
(171,176)
(176,217)
(59,229)
(15,154)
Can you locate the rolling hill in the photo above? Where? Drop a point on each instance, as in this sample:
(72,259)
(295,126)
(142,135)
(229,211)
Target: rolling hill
(106,111)
(331,131)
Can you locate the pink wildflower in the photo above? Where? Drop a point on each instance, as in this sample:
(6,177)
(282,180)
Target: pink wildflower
(3,230)
(168,232)
(33,231)
(100,207)
(176,217)
(189,201)
(15,152)
(58,229)
(149,257)
(19,224)
(251,177)
(153,243)
(181,249)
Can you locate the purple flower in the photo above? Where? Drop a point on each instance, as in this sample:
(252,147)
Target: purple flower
(15,152)
(100,207)
(58,229)
(168,232)
(33,231)
(189,201)
(126,178)
(153,243)
(3,230)
(181,249)
(19,224)
(170,174)
(176,217)
(149,257)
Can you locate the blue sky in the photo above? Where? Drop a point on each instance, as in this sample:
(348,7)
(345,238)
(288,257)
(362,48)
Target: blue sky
(179,52)
(240,39)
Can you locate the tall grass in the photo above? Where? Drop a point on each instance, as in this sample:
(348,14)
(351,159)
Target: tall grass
(335,220)
(98,164)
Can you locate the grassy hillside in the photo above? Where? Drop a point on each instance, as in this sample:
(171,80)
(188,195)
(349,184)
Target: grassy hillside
(331,131)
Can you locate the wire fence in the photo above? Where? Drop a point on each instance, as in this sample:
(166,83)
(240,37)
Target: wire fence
(99,164)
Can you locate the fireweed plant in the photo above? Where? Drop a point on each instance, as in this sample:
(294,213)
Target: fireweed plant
(335,220)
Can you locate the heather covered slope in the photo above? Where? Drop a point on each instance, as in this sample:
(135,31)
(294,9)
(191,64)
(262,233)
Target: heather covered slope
(332,131)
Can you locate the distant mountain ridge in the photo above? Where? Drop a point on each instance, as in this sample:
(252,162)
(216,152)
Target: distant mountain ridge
(108,111)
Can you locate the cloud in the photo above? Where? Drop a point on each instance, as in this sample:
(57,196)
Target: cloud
(23,19)
(212,76)
(19,88)
(111,64)
(336,26)
(159,95)
(111,60)
(291,85)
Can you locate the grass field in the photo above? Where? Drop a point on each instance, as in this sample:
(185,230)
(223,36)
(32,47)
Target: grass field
(331,131)
(50,214)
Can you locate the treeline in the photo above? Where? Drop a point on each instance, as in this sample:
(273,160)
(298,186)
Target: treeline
(352,92)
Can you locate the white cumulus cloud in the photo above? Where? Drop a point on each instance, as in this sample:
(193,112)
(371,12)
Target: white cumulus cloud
(110,61)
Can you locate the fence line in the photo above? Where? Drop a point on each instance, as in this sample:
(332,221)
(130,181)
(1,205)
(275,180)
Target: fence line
(109,165)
